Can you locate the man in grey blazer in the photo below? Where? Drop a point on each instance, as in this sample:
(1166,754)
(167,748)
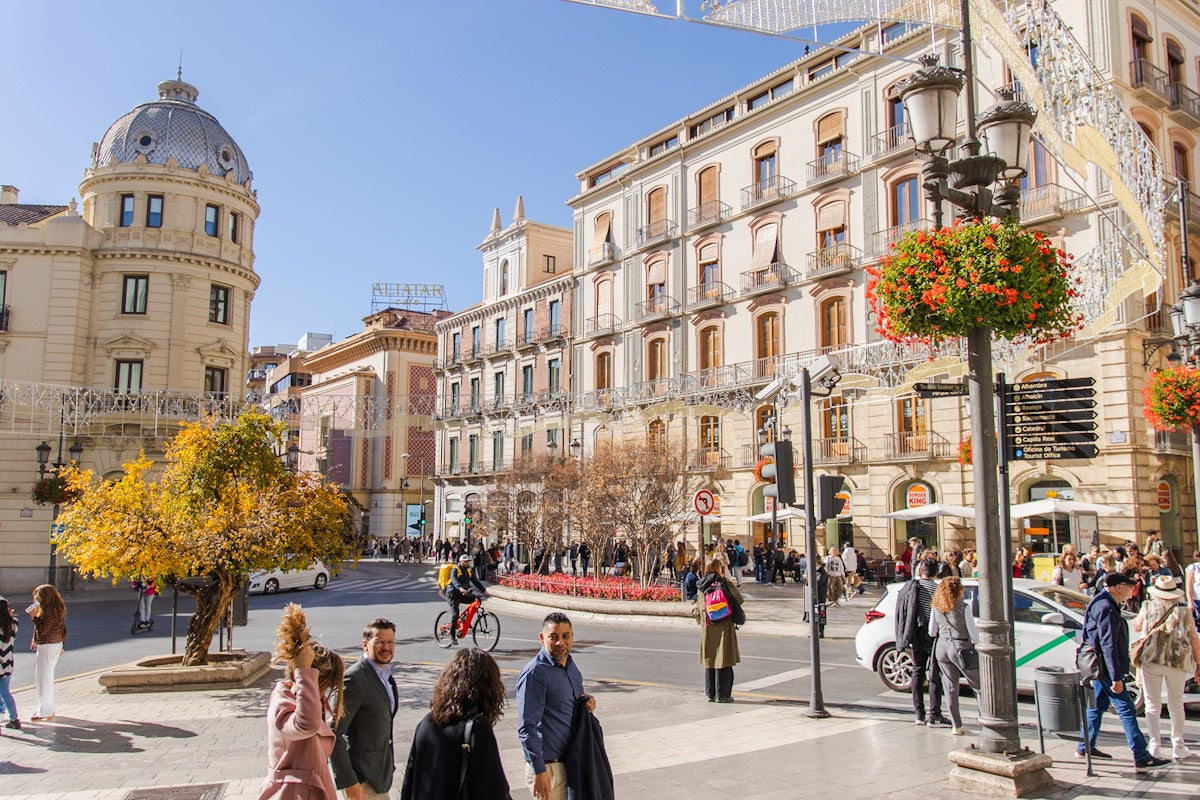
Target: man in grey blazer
(363,759)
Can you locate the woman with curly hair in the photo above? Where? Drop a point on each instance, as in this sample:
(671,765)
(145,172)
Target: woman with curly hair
(303,708)
(951,621)
(49,614)
(468,699)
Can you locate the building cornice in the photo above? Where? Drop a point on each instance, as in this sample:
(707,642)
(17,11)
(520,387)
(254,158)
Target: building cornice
(368,343)
(210,264)
(482,312)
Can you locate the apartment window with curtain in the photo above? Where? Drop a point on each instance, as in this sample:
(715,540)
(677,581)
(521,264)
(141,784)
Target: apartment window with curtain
(604,302)
(766,170)
(154,211)
(215,380)
(212,219)
(834,330)
(134,292)
(527,381)
(235,221)
(527,325)
(498,389)
(127,377)
(476,341)
(709,266)
(767,344)
(554,309)
(656,213)
(455,396)
(218,304)
(456,346)
(831,144)
(499,330)
(126,211)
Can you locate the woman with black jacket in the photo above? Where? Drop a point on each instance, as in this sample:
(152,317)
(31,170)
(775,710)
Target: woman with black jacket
(718,637)
(468,693)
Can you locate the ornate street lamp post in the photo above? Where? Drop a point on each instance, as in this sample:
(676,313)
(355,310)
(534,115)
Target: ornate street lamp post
(43,457)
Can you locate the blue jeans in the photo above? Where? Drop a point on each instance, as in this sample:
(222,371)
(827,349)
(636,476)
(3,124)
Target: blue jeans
(760,571)
(1123,703)
(6,698)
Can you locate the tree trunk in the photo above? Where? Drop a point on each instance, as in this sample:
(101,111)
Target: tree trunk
(212,598)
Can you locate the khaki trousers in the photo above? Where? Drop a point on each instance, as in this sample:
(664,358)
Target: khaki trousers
(558,780)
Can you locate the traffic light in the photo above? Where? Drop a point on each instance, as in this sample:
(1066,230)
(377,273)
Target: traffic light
(780,472)
(828,504)
(421,521)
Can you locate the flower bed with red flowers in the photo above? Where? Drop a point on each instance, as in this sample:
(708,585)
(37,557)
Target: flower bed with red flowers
(606,588)
(1172,398)
(940,284)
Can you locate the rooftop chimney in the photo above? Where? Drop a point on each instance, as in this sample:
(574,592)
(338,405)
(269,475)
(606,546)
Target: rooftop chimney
(8,195)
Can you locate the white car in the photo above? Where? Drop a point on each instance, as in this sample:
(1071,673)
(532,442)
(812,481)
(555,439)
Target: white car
(1047,624)
(315,576)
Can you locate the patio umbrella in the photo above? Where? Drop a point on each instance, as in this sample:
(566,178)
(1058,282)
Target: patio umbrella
(783,514)
(932,510)
(1052,505)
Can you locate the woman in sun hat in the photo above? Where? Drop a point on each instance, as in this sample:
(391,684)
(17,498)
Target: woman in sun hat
(1171,655)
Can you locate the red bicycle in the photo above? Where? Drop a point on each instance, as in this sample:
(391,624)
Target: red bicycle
(484,627)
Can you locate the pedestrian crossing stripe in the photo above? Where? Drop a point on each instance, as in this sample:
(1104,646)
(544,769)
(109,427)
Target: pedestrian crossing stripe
(1047,647)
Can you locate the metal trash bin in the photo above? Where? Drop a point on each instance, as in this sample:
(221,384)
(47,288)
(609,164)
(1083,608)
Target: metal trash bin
(1056,692)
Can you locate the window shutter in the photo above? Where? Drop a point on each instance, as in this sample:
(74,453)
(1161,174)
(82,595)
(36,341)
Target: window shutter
(765,150)
(603,231)
(829,127)
(708,186)
(657,273)
(831,215)
(709,253)
(603,298)
(766,244)
(1141,29)
(657,205)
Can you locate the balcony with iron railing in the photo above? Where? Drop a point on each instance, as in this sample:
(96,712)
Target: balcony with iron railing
(526,339)
(606,252)
(831,166)
(923,446)
(657,231)
(839,450)
(550,333)
(882,241)
(1151,84)
(1185,104)
(601,324)
(768,279)
(709,213)
(833,260)
(713,293)
(1049,201)
(891,142)
(497,348)
(655,308)
(4,317)
(1173,441)
(472,354)
(768,190)
(708,459)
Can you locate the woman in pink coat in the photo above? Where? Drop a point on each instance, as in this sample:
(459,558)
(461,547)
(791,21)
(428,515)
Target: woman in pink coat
(299,738)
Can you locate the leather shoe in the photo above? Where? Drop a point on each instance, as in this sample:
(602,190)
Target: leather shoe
(1100,754)
(1151,763)
(43,719)
(724,699)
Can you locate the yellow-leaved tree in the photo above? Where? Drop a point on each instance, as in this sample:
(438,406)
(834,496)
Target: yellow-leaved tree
(224,506)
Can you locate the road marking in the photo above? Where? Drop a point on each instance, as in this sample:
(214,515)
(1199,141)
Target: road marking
(774,680)
(1048,646)
(785,660)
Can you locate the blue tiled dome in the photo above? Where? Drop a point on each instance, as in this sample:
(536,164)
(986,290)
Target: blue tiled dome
(175,126)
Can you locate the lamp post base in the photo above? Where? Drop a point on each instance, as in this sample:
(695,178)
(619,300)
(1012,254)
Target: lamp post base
(1000,775)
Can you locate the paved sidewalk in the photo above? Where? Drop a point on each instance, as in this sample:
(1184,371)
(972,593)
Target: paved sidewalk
(663,743)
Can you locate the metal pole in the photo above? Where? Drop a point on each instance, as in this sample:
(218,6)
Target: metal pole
(1005,519)
(816,703)
(997,700)
(1196,470)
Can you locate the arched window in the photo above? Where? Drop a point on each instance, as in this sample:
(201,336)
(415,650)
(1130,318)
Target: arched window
(656,434)
(656,213)
(834,328)
(709,269)
(710,347)
(708,206)
(906,202)
(1038,173)
(831,143)
(766,171)
(893,113)
(1175,66)
(767,344)
(604,301)
(656,286)
(602,247)
(656,359)
(762,416)
(710,433)
(604,371)
(504,277)
(1140,41)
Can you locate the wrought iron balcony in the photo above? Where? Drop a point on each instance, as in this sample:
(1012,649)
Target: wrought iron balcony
(526,338)
(896,139)
(1173,441)
(497,348)
(607,251)
(918,447)
(768,278)
(707,214)
(1152,84)
(473,354)
(882,241)
(713,293)
(656,231)
(831,166)
(708,459)
(839,450)
(550,333)
(4,323)
(833,260)
(1185,103)
(769,190)
(655,308)
(1048,201)
(601,324)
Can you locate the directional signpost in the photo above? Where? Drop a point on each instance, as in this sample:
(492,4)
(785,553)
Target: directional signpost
(1049,420)
(928,390)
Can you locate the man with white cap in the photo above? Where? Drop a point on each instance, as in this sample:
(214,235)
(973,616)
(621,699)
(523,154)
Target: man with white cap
(1170,654)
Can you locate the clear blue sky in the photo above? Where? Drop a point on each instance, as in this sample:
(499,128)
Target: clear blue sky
(381,134)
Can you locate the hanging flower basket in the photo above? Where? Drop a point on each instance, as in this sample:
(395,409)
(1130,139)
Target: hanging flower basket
(940,284)
(758,468)
(52,490)
(964,451)
(1172,398)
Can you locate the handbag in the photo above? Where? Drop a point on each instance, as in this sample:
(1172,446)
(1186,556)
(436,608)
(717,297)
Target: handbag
(968,656)
(466,758)
(1089,663)
(1135,651)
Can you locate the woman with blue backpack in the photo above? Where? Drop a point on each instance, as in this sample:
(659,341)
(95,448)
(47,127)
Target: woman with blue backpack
(719,611)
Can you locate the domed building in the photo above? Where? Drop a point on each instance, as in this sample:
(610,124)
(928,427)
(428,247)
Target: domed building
(122,317)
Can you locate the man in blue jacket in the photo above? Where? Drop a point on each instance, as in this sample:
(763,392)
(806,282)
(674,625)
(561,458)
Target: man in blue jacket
(1105,629)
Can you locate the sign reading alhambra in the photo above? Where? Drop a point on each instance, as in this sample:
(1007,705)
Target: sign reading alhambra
(1051,419)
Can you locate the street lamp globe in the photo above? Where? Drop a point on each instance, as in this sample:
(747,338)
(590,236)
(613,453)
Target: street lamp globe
(1190,300)
(43,456)
(1178,323)
(76,451)
(1004,130)
(930,97)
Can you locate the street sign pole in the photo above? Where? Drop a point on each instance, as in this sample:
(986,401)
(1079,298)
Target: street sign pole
(1006,544)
